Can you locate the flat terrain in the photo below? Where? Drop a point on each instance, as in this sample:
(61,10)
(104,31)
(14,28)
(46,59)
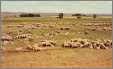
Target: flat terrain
(50,28)
(60,58)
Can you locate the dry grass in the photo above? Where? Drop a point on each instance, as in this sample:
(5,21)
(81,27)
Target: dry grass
(58,57)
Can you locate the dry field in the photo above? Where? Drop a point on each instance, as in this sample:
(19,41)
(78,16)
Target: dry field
(25,31)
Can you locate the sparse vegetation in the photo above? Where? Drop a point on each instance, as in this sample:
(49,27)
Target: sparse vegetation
(46,37)
(29,15)
(77,15)
(61,15)
(94,16)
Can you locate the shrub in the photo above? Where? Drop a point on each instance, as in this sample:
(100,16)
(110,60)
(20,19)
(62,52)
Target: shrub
(61,15)
(29,15)
(94,16)
(77,15)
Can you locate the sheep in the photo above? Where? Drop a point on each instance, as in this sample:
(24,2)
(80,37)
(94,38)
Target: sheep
(75,45)
(51,26)
(30,27)
(67,44)
(23,36)
(37,25)
(19,26)
(102,46)
(47,43)
(85,43)
(52,42)
(91,46)
(82,42)
(5,42)
(29,47)
(19,49)
(98,46)
(66,33)
(74,40)
(57,31)
(108,43)
(35,48)
(6,38)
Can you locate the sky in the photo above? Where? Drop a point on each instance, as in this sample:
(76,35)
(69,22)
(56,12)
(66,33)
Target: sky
(98,7)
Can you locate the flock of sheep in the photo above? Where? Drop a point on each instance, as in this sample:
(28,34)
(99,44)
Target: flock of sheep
(85,43)
(99,27)
(73,43)
(45,44)
(30,26)
(42,45)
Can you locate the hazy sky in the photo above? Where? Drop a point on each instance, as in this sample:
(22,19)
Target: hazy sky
(58,6)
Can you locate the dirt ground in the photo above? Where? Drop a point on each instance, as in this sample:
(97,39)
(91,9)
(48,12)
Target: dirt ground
(59,58)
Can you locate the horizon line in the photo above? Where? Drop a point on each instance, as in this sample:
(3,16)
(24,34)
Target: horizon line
(53,12)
